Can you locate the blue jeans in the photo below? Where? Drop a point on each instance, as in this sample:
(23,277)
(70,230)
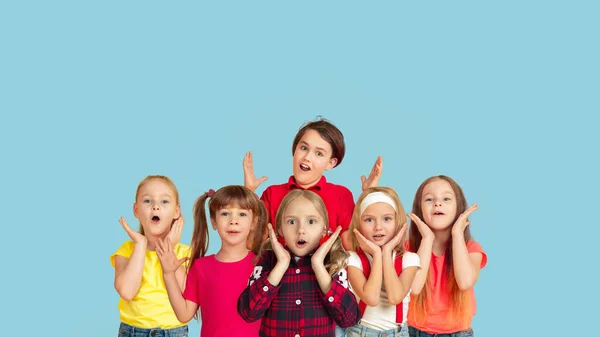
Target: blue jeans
(126,330)
(412,332)
(360,330)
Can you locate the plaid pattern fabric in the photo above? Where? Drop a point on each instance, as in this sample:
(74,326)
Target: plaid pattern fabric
(297,307)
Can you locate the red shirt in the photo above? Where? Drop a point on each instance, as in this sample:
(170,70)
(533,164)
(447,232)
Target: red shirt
(338,201)
(297,307)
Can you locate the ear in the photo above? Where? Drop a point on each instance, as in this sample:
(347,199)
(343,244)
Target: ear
(135,211)
(212,223)
(331,164)
(177,212)
(254,223)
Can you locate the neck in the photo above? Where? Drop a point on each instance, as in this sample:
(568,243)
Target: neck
(307,186)
(229,253)
(441,241)
(152,241)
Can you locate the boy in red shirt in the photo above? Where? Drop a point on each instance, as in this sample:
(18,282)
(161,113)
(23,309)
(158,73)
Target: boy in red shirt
(318,146)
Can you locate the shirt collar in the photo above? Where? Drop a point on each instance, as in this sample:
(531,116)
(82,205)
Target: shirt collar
(318,186)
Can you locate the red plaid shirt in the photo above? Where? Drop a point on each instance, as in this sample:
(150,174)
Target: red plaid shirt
(297,307)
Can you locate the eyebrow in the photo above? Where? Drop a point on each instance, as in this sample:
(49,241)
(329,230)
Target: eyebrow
(162,195)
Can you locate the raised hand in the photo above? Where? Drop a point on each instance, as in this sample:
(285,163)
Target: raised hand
(250,180)
(136,237)
(323,250)
(175,233)
(367,246)
(390,245)
(426,232)
(166,256)
(281,253)
(373,179)
(463,220)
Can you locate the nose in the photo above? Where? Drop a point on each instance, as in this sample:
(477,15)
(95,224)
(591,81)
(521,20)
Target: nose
(301,229)
(437,202)
(234,220)
(377,225)
(155,206)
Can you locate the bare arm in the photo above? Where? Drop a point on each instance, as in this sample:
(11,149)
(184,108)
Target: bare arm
(369,290)
(466,265)
(128,272)
(397,286)
(424,252)
(184,309)
(174,276)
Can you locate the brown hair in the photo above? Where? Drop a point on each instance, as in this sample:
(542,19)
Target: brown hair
(337,257)
(164,179)
(232,195)
(329,132)
(458,298)
(400,217)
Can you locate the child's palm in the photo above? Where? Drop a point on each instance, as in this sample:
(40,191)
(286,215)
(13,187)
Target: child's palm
(168,260)
(280,252)
(136,237)
(250,180)
(366,245)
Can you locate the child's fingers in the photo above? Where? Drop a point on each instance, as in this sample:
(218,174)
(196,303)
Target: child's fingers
(124,224)
(182,260)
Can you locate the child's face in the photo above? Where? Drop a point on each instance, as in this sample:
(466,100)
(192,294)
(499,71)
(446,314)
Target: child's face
(233,224)
(378,223)
(156,208)
(302,227)
(438,205)
(312,157)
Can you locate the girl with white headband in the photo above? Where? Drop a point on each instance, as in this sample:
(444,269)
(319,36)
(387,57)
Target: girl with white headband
(380,270)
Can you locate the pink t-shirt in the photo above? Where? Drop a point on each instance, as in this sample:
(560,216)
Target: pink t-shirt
(216,286)
(438,319)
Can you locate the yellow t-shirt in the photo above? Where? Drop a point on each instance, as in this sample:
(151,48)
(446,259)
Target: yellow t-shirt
(150,307)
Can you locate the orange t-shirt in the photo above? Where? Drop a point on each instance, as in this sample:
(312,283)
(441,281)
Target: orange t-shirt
(438,308)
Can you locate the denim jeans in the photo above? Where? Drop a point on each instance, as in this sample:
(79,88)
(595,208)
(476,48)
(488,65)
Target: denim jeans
(360,330)
(126,330)
(412,332)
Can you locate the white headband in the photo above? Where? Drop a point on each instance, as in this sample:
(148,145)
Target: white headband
(374,198)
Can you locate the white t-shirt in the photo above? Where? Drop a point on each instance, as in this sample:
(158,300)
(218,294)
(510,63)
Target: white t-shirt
(383,316)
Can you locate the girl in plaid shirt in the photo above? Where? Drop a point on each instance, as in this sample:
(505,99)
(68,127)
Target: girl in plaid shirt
(300,289)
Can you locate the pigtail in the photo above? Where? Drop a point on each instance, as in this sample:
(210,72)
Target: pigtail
(200,238)
(256,238)
(338,257)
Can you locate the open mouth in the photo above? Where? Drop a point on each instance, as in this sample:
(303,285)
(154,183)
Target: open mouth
(438,213)
(301,243)
(155,219)
(378,237)
(304,167)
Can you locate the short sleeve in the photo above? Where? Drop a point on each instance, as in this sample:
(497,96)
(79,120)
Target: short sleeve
(410,260)
(266,199)
(182,251)
(354,261)
(125,251)
(474,247)
(346,208)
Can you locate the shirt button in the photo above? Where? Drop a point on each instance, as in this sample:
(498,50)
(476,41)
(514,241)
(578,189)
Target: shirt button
(330,299)
(297,271)
(298,302)
(265,288)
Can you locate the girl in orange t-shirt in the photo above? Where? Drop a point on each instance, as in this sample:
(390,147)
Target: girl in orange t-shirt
(442,298)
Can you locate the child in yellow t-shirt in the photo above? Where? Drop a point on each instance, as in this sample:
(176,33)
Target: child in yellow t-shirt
(144,305)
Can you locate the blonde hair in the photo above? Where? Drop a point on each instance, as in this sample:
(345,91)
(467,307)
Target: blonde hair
(400,218)
(337,257)
(165,180)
